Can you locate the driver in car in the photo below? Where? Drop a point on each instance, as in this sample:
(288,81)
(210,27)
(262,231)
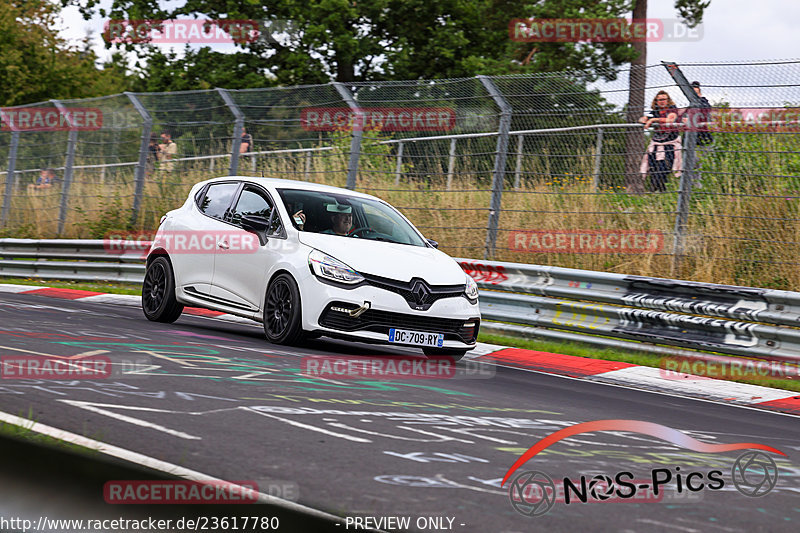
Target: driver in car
(341,219)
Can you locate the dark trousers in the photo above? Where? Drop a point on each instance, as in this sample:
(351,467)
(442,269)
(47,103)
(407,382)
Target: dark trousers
(660,169)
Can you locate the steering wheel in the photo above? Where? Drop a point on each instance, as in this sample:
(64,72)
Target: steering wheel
(359,230)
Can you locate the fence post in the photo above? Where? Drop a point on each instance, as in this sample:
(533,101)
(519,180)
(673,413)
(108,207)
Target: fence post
(687,173)
(12,164)
(451,163)
(72,142)
(598,159)
(308,166)
(518,166)
(238,126)
(399,166)
(498,174)
(144,152)
(357,134)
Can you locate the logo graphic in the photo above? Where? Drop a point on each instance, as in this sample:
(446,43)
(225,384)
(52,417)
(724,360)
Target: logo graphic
(533,493)
(543,493)
(420,291)
(754,474)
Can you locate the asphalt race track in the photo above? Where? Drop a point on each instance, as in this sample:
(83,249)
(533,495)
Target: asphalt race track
(214,397)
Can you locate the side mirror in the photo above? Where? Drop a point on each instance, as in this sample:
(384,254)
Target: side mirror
(257,225)
(433,243)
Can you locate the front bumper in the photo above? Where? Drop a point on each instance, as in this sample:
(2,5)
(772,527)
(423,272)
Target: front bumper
(324,308)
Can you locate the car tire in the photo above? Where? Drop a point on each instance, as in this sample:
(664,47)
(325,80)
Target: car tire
(282,311)
(451,353)
(158,292)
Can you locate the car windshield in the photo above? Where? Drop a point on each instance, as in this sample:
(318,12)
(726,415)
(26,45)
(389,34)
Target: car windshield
(348,216)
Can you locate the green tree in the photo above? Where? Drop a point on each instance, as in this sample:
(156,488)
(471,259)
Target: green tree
(316,41)
(198,69)
(37,65)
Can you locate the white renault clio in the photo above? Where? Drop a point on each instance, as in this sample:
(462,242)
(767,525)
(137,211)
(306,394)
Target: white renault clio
(309,260)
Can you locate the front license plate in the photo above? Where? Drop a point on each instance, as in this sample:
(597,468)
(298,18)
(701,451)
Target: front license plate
(417,338)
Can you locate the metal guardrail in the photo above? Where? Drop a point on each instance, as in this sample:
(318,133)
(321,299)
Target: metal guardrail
(744,321)
(72,259)
(560,303)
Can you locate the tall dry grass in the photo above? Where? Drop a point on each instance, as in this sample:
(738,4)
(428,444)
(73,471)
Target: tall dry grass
(743,228)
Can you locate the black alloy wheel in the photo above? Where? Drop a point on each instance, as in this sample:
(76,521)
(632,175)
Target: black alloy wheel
(282,311)
(158,292)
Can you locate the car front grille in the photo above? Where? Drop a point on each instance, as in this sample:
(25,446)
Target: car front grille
(417,293)
(381,321)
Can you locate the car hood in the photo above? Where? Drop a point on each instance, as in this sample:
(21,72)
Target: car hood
(389,260)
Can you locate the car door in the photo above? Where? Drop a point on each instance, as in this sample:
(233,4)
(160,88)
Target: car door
(242,265)
(193,238)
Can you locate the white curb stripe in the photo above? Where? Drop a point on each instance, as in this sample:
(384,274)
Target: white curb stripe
(716,389)
(150,462)
(19,288)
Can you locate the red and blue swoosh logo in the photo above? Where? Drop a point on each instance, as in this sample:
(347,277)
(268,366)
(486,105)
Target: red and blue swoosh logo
(635,426)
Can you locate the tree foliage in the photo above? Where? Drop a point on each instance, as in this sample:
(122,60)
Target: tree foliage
(316,41)
(37,65)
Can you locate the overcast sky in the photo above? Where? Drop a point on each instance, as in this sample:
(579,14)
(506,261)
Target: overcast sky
(733,30)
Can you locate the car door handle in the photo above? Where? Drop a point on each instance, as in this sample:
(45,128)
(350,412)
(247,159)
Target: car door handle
(223,245)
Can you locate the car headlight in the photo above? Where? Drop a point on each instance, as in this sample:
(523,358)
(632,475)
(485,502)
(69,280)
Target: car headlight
(330,268)
(471,290)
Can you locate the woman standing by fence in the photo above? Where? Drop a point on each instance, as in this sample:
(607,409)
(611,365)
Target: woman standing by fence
(664,151)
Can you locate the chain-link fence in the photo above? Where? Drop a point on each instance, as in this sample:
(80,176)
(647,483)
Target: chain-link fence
(538,168)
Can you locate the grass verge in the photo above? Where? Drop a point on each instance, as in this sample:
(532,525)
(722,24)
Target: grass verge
(28,434)
(105,286)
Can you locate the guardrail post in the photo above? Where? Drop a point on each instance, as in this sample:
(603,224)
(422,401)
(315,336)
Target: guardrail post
(687,174)
(499,172)
(144,152)
(72,142)
(399,166)
(451,163)
(10,175)
(238,126)
(598,159)
(357,134)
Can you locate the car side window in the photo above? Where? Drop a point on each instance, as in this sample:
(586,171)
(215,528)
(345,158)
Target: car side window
(253,202)
(218,198)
